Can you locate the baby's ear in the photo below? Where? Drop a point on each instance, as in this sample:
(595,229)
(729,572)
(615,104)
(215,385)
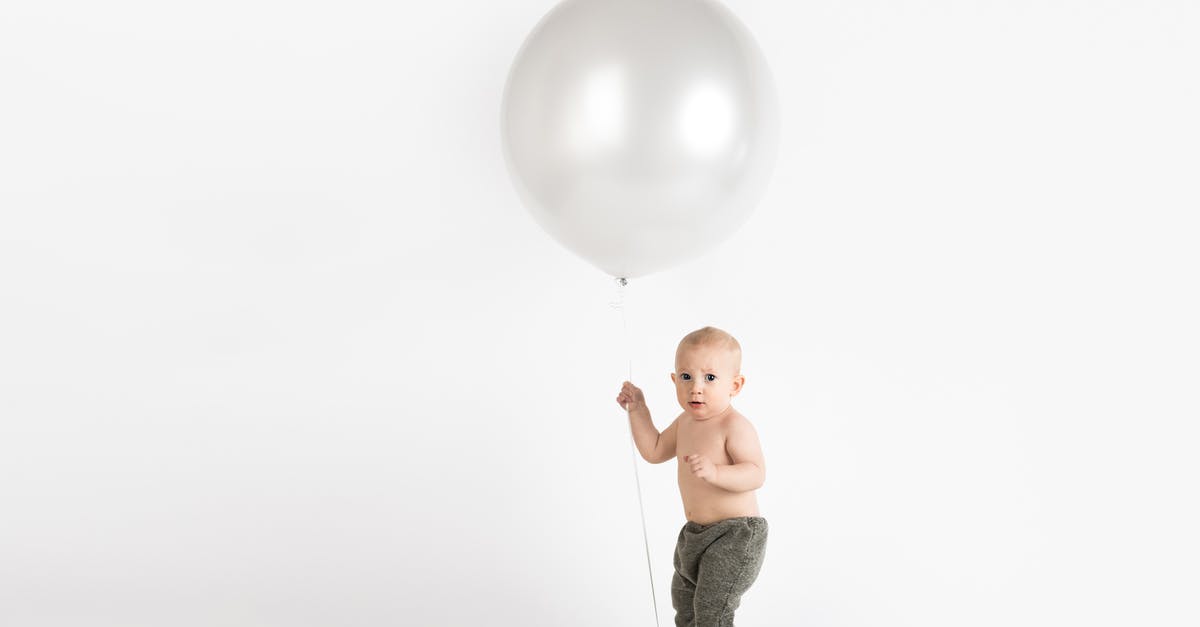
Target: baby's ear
(738,382)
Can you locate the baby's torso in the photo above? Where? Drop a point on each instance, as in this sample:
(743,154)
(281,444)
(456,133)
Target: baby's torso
(703,502)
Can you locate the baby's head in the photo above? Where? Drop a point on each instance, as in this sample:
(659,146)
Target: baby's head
(708,372)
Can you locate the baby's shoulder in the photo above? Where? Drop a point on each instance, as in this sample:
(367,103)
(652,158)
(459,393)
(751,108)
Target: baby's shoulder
(737,421)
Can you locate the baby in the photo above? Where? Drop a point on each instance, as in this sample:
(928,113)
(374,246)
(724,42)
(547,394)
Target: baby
(720,549)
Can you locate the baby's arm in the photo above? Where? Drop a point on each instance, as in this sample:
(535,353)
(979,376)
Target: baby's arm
(749,470)
(655,447)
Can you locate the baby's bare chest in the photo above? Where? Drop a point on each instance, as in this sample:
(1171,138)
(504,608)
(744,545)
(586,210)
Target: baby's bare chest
(705,438)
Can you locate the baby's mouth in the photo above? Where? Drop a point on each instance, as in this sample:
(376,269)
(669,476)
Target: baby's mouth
(695,403)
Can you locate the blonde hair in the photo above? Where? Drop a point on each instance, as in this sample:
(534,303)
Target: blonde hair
(712,336)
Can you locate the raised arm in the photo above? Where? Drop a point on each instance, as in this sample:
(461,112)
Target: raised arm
(664,448)
(654,447)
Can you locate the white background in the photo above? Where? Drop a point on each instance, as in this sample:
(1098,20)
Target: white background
(280,347)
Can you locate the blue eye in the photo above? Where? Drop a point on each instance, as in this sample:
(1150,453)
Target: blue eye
(710,377)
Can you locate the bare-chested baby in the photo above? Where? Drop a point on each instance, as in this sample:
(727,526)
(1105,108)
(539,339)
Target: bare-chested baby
(720,466)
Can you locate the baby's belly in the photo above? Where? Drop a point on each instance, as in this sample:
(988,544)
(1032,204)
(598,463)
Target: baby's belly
(705,503)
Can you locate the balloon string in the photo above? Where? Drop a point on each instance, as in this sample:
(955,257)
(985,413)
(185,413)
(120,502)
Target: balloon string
(620,304)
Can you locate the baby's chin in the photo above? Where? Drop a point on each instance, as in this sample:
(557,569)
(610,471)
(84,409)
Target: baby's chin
(704,409)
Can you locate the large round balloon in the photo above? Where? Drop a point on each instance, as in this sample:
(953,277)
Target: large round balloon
(639,133)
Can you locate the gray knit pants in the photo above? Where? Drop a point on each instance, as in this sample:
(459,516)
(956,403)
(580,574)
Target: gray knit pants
(714,566)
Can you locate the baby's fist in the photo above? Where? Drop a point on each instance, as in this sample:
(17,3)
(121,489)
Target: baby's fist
(630,397)
(702,467)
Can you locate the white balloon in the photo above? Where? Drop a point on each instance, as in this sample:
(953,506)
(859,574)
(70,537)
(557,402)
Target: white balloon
(639,133)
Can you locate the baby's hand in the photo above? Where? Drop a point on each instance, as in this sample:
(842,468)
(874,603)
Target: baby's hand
(631,397)
(702,467)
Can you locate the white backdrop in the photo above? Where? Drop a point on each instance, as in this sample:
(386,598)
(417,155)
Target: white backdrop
(279,346)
